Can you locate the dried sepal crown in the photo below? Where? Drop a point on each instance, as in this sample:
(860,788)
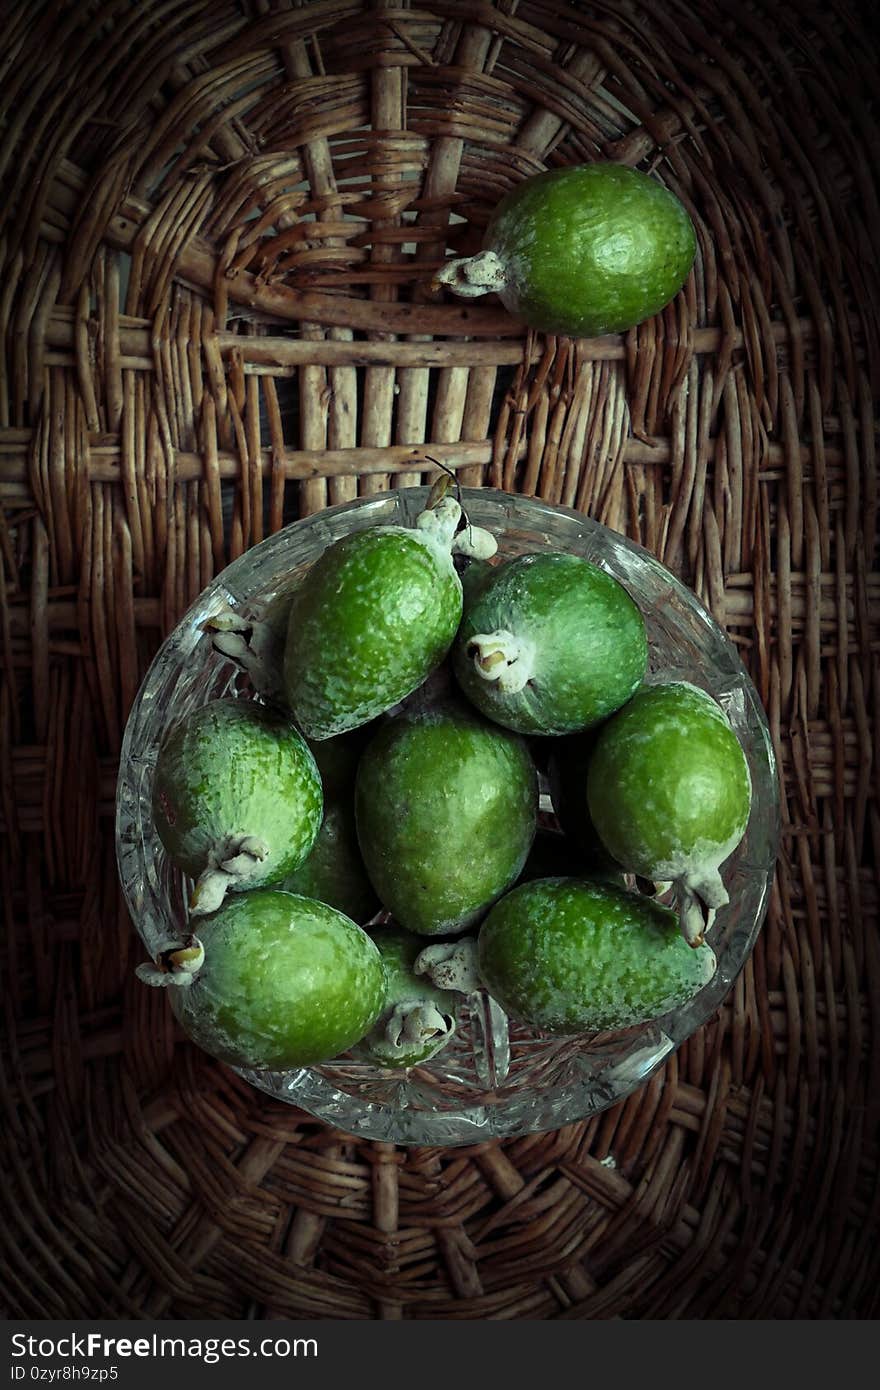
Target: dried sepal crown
(451,965)
(446,518)
(175,963)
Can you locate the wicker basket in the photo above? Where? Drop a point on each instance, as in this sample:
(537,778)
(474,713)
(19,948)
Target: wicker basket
(219,221)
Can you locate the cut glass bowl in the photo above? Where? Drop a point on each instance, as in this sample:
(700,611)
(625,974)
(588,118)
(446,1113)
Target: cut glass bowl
(497,1078)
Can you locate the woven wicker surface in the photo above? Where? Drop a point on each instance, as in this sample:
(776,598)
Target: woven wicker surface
(219,219)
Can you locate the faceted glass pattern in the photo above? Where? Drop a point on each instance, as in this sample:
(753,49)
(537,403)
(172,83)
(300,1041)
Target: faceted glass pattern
(496,1078)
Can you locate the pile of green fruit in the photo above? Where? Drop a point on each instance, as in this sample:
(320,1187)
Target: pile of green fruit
(364,832)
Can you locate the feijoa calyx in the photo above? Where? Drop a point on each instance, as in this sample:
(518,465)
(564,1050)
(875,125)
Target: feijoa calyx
(375,614)
(583,250)
(255,643)
(669,792)
(446,807)
(550,644)
(570,956)
(417,1020)
(285,982)
(237,798)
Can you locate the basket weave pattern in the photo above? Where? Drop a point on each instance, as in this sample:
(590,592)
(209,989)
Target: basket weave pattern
(217,231)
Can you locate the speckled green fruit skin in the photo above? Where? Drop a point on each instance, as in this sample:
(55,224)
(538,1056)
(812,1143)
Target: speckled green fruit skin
(591,649)
(591,249)
(399,949)
(334,871)
(232,768)
(570,956)
(337,760)
(446,807)
(374,615)
(287,982)
(668,782)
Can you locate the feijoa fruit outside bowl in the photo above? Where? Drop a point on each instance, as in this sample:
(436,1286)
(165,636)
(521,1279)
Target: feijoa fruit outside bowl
(495,1078)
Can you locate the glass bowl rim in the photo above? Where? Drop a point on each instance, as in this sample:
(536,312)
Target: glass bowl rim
(373,1121)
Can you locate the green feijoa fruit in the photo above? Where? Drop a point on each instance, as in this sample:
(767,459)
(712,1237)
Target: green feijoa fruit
(569,956)
(375,614)
(334,871)
(583,250)
(418,1019)
(669,792)
(337,760)
(550,644)
(285,982)
(438,688)
(237,798)
(446,808)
